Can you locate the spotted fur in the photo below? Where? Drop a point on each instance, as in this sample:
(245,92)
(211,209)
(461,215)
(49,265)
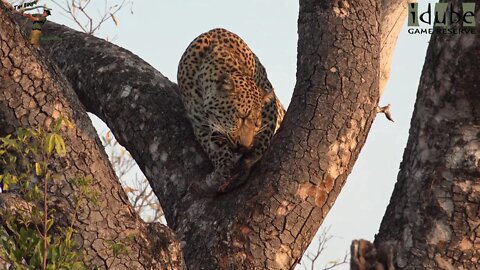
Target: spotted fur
(229,101)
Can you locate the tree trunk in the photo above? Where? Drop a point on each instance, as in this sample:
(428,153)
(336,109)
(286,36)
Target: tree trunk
(433,220)
(392,19)
(269,222)
(33,94)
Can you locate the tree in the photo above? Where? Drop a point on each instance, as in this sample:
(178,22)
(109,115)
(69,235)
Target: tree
(433,217)
(243,236)
(267,223)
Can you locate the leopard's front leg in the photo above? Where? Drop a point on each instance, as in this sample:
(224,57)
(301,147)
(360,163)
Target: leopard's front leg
(224,161)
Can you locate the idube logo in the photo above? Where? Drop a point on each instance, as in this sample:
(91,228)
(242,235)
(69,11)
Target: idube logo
(443,19)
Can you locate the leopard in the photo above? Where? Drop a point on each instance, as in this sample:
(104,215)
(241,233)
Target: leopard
(230,104)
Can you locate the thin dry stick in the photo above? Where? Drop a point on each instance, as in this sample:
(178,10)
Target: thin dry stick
(322,245)
(45,220)
(74,8)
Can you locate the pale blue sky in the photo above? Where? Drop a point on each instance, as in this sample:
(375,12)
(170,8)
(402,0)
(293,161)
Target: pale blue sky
(160,30)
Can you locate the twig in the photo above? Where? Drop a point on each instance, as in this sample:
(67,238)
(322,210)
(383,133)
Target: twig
(45,221)
(89,27)
(322,246)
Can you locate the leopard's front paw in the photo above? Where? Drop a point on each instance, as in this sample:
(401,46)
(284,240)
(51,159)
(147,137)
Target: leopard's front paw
(217,183)
(213,184)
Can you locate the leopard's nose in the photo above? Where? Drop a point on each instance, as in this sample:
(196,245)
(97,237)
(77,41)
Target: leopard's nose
(244,145)
(241,146)
(245,139)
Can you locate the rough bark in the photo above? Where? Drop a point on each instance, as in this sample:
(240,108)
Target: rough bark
(330,113)
(392,19)
(433,220)
(269,222)
(33,93)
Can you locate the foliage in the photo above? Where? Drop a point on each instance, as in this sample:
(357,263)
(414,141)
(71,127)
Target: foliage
(29,235)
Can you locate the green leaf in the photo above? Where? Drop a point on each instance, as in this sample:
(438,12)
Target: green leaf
(79,266)
(50,223)
(53,254)
(9,143)
(27,153)
(38,169)
(21,134)
(7,180)
(60,145)
(57,125)
(68,236)
(50,143)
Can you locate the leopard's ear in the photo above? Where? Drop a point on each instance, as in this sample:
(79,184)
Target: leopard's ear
(225,82)
(268,97)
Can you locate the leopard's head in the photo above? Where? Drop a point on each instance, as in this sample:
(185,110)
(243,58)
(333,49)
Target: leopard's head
(234,107)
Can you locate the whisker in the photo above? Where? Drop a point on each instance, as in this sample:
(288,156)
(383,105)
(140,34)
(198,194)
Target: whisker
(263,128)
(218,128)
(215,123)
(218,139)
